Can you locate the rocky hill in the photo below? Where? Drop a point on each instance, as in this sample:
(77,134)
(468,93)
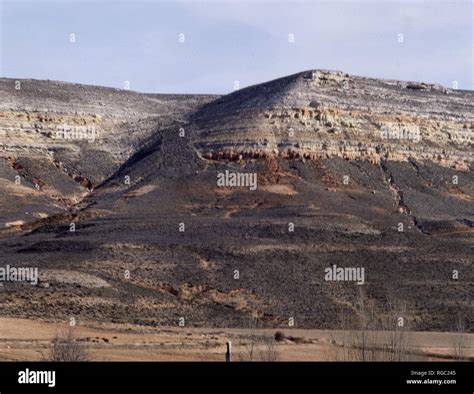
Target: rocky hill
(115,197)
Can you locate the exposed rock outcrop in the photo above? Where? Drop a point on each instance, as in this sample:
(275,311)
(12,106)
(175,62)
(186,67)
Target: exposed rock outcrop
(318,114)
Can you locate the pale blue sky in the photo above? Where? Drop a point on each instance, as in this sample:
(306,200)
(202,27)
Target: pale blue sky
(231,40)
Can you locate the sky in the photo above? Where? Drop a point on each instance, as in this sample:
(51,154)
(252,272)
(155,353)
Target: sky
(139,44)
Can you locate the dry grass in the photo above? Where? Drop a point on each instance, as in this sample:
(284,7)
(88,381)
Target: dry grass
(257,346)
(459,340)
(66,347)
(376,336)
(27,339)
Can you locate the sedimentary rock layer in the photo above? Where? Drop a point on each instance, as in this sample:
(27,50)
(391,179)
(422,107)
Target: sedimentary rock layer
(319,114)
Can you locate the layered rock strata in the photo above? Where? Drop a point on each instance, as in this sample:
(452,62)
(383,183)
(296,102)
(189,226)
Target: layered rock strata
(319,114)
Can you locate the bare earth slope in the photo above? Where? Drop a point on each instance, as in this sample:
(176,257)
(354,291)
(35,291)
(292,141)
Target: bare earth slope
(368,173)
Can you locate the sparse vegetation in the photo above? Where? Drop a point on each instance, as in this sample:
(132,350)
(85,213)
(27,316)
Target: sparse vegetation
(279,336)
(258,346)
(459,340)
(375,336)
(66,347)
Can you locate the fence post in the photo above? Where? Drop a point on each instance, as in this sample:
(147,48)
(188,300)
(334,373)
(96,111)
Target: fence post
(228,355)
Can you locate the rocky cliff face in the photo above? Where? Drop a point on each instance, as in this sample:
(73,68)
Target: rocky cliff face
(320,114)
